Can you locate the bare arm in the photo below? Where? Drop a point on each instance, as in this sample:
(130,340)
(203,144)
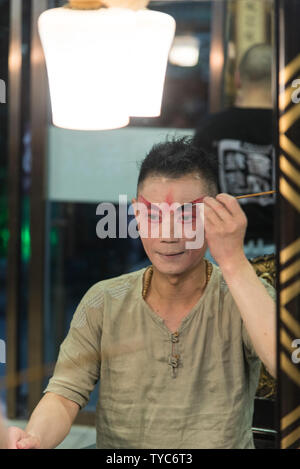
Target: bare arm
(257,309)
(225,226)
(48,426)
(3,434)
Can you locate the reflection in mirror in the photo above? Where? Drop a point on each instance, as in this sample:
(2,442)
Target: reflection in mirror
(218,91)
(228,53)
(240,132)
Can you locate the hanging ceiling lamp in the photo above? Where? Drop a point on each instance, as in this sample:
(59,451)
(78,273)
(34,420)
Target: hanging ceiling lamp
(106,61)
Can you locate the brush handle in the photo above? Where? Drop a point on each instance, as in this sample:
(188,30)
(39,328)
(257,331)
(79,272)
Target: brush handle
(255,195)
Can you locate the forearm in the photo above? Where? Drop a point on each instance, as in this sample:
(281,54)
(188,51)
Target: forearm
(256,307)
(225,227)
(3,434)
(51,420)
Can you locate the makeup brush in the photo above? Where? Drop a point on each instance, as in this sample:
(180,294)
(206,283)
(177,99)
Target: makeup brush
(255,195)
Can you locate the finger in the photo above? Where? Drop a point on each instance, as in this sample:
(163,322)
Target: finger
(219,208)
(234,207)
(212,227)
(29,442)
(210,215)
(14,434)
(208,227)
(229,202)
(11,445)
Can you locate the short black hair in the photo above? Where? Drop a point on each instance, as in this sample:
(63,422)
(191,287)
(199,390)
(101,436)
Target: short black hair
(179,157)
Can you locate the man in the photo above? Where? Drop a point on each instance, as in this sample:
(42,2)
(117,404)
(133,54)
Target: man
(242,139)
(177,348)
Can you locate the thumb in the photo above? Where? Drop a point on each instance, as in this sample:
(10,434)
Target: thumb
(29,442)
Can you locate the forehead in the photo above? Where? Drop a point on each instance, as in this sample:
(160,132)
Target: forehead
(185,189)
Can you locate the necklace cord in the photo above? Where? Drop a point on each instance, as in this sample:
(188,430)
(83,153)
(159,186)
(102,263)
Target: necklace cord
(149,273)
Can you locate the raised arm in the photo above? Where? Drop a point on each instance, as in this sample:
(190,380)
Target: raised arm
(48,426)
(225,226)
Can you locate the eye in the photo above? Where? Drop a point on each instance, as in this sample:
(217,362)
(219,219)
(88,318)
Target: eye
(154,216)
(187,215)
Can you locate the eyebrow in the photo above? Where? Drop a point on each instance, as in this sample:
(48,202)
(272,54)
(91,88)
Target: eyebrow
(152,205)
(145,201)
(196,201)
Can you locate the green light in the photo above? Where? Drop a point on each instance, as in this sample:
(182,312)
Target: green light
(25,243)
(53,237)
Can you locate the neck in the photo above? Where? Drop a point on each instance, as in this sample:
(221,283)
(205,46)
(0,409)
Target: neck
(181,287)
(254,98)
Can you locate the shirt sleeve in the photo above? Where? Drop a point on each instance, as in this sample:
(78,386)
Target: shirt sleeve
(78,365)
(248,346)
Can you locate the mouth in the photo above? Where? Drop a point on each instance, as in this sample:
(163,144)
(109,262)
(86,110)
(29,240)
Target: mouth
(171,255)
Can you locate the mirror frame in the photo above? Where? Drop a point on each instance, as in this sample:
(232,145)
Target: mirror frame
(287,216)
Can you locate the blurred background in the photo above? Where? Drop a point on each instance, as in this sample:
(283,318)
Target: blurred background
(52,180)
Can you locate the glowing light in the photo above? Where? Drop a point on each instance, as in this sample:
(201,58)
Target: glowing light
(105,65)
(185,51)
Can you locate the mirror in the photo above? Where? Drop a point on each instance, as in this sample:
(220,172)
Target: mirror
(214,92)
(219,90)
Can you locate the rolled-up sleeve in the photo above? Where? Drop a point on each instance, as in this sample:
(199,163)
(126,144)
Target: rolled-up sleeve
(78,365)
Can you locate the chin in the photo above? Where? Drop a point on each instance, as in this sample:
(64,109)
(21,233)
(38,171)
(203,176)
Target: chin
(172,268)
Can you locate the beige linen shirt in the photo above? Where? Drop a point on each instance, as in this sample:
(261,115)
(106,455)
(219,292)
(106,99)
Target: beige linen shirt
(158,389)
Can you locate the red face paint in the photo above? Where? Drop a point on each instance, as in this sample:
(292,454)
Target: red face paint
(146,202)
(169,198)
(169,201)
(198,201)
(155,213)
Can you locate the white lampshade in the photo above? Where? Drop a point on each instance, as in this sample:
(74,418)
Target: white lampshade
(95,61)
(153,37)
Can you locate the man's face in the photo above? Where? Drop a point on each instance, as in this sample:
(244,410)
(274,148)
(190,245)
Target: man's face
(170,254)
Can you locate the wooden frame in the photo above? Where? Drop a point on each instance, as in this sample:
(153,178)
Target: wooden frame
(288,212)
(38,115)
(14,224)
(216,58)
(288,224)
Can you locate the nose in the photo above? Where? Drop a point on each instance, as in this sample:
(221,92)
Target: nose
(168,234)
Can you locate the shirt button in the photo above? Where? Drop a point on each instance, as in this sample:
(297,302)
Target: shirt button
(174,337)
(174,361)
